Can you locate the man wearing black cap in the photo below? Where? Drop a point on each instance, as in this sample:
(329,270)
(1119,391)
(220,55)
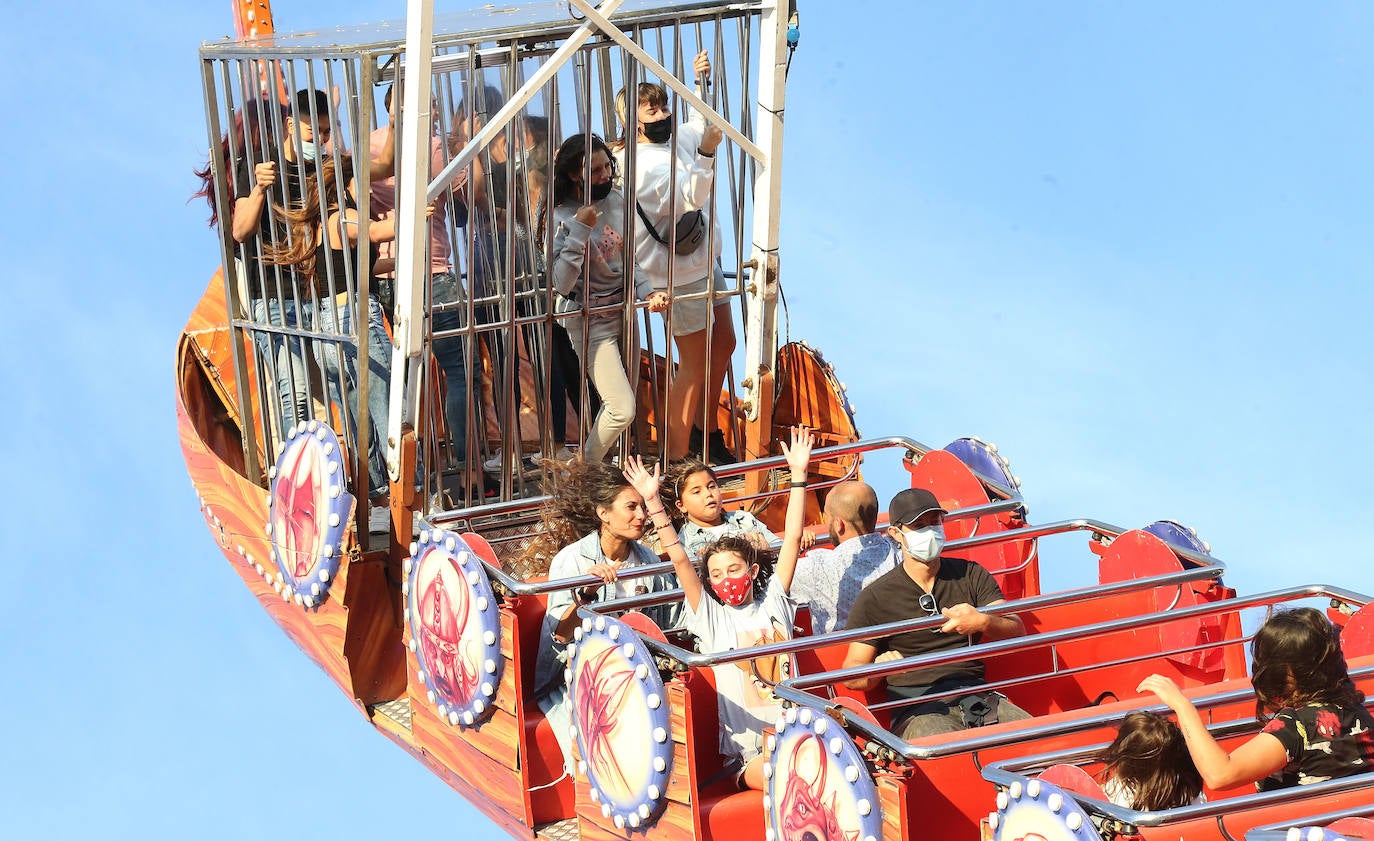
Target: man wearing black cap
(925,584)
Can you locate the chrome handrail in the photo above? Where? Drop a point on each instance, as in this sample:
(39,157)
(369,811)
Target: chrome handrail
(1003,773)
(1279,831)
(792,689)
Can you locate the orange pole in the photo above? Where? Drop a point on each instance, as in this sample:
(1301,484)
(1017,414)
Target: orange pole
(252,18)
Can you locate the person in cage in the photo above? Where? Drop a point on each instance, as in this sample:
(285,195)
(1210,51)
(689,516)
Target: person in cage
(322,247)
(588,275)
(678,236)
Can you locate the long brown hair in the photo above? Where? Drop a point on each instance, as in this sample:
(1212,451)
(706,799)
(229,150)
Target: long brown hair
(1296,660)
(1150,756)
(570,158)
(320,199)
(575,490)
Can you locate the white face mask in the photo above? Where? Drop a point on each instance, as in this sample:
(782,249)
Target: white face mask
(924,544)
(308,151)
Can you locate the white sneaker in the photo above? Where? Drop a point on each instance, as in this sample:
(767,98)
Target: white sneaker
(379,520)
(562,454)
(527,463)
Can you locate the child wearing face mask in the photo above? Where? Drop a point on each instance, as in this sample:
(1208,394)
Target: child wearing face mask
(588,273)
(739,605)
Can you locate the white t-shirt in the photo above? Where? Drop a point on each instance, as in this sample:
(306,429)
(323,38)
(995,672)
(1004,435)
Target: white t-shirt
(1123,794)
(747,703)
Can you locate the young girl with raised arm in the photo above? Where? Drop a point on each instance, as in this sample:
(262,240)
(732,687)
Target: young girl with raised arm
(1316,727)
(691,487)
(731,606)
(1148,766)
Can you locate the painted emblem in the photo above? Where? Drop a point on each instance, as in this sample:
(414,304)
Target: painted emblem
(620,721)
(308,510)
(455,627)
(819,788)
(1039,811)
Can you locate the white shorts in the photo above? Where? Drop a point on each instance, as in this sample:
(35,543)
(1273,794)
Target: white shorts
(690,316)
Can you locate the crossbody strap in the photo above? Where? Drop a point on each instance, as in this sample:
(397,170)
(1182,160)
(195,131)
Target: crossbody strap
(653,232)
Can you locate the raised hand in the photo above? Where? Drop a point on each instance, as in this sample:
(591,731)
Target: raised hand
(265,174)
(642,480)
(1165,689)
(586,215)
(799,452)
(701,64)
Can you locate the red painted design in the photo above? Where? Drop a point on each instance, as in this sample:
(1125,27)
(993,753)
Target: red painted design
(602,690)
(805,816)
(297,511)
(443,616)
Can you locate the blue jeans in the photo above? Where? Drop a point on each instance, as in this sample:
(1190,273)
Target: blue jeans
(283,358)
(338,318)
(452,358)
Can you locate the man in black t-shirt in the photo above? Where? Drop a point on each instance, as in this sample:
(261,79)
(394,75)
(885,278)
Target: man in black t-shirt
(926,584)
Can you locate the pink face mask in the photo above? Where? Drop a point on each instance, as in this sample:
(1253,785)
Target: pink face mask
(734,591)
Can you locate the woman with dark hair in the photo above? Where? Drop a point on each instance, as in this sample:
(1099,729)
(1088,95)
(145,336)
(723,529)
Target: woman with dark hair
(588,274)
(1316,727)
(322,246)
(1148,767)
(256,121)
(597,518)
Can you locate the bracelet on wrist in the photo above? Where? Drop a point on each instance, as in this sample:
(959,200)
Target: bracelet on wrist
(797,484)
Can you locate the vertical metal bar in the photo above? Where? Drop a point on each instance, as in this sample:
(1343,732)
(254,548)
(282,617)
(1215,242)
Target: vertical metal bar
(412,267)
(761,336)
(220,174)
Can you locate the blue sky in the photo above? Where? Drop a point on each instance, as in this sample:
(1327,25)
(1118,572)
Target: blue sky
(1130,243)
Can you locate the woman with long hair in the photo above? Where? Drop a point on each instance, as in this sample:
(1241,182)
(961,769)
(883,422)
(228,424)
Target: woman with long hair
(592,524)
(588,274)
(322,245)
(1316,727)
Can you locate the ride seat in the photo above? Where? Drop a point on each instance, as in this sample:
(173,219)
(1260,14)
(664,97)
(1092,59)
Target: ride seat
(544,755)
(1353,828)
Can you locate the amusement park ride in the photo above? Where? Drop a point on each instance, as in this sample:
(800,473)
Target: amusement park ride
(430,621)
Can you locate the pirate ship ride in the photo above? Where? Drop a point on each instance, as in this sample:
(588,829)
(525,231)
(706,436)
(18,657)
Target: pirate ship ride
(429,621)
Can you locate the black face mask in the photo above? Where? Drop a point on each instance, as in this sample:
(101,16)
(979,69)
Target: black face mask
(600,190)
(660,131)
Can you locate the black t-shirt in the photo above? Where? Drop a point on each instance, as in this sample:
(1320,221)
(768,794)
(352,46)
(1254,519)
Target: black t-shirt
(1322,742)
(288,190)
(896,597)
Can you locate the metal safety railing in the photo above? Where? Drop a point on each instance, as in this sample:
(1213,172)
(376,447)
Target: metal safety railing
(1021,771)
(484,360)
(524,510)
(794,690)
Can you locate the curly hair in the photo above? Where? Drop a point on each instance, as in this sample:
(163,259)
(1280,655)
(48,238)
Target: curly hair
(674,478)
(1296,659)
(1150,756)
(575,489)
(747,549)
